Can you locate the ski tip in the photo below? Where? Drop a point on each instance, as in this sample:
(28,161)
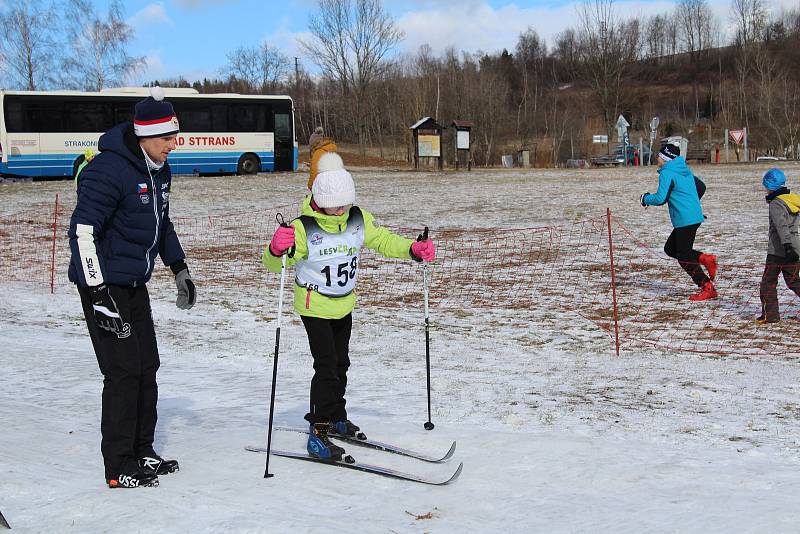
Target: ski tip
(455,475)
(3,522)
(450,453)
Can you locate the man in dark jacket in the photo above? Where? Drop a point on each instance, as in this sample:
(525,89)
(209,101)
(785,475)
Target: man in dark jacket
(120,224)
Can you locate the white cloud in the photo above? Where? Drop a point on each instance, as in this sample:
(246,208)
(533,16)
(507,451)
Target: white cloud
(200,4)
(154,13)
(483,27)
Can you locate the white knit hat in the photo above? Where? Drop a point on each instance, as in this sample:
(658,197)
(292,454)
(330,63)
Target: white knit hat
(333,186)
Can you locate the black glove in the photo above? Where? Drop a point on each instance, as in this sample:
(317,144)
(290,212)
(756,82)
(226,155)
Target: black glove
(641,200)
(183,281)
(106,313)
(790,254)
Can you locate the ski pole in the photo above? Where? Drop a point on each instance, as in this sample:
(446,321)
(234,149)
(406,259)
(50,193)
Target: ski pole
(290,252)
(428,425)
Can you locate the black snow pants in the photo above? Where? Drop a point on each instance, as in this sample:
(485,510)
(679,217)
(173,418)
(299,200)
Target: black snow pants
(129,366)
(329,341)
(680,245)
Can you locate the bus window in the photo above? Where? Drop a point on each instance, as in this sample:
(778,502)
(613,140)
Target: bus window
(123,112)
(194,120)
(88,117)
(14,117)
(45,117)
(283,127)
(243,118)
(219,118)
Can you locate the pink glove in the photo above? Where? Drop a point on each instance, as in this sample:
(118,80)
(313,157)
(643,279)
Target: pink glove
(282,241)
(424,250)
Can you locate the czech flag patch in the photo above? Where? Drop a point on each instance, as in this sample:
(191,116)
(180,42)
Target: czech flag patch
(142,188)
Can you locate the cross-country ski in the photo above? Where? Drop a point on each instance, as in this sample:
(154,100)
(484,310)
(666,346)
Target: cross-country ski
(378,445)
(367,468)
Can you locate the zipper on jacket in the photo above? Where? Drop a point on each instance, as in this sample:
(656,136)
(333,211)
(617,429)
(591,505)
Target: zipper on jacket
(155,213)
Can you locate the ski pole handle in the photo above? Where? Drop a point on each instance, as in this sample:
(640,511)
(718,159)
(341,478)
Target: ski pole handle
(282,222)
(423,236)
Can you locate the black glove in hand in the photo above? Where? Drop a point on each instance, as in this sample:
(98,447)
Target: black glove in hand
(641,200)
(183,281)
(106,313)
(790,254)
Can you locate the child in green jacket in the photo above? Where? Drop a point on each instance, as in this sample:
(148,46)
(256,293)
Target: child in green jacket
(327,238)
(783,245)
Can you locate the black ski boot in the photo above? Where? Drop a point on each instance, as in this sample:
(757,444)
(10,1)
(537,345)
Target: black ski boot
(131,475)
(346,428)
(158,465)
(320,446)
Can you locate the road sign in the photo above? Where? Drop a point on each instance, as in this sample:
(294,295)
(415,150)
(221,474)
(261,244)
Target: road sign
(654,123)
(737,136)
(626,138)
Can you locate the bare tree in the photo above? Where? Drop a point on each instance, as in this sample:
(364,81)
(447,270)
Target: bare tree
(263,67)
(697,25)
(27,46)
(530,54)
(605,46)
(98,56)
(750,18)
(350,39)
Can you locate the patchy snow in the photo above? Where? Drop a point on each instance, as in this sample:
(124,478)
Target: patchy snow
(556,433)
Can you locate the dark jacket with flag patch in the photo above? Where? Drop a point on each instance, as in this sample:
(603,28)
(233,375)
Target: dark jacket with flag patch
(121,220)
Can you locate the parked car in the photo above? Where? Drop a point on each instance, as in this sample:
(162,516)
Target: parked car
(633,150)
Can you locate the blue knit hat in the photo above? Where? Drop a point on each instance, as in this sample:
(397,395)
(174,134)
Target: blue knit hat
(774,179)
(154,116)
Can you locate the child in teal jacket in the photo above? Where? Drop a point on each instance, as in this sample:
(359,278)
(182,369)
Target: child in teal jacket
(677,188)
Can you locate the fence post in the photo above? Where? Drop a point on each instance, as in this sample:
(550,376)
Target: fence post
(53,253)
(613,280)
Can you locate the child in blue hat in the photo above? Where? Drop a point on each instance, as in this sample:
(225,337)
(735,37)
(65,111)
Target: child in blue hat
(784,243)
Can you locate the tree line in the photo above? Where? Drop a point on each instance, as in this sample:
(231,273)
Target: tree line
(549,98)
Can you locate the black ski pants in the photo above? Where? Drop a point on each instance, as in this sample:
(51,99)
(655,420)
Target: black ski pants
(329,341)
(680,245)
(769,284)
(129,367)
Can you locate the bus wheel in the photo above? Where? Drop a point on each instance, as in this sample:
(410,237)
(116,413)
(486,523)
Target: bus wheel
(248,164)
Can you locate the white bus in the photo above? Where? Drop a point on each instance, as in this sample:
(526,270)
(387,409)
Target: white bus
(45,133)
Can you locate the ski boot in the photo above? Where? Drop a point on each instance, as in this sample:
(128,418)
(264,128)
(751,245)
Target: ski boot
(132,476)
(158,465)
(320,446)
(347,429)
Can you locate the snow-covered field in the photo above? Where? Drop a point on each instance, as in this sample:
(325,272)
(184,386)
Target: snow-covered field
(556,433)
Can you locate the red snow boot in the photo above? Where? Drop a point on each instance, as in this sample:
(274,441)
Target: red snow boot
(709,261)
(707,291)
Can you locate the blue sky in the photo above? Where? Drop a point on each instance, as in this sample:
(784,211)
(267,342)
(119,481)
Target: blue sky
(190,38)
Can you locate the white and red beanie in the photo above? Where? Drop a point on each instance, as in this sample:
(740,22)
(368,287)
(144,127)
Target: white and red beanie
(333,186)
(154,116)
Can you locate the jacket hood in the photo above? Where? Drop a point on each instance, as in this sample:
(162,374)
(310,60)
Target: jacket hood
(677,166)
(123,141)
(792,201)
